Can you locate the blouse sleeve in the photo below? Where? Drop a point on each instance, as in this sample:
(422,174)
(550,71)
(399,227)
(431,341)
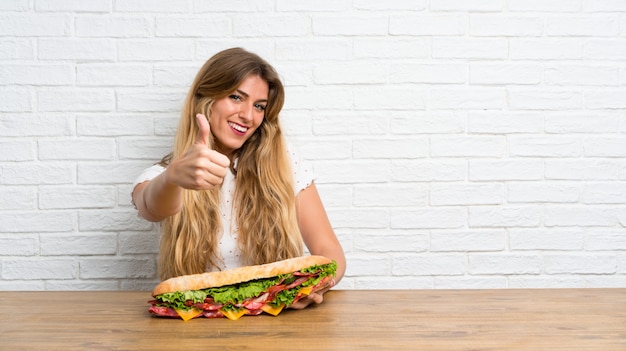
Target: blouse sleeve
(303,171)
(148,174)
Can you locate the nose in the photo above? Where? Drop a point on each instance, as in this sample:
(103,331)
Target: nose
(246,111)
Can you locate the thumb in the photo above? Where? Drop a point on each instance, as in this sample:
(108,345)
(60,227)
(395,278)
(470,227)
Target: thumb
(204,130)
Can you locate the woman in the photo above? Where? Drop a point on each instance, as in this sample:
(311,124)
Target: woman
(227,196)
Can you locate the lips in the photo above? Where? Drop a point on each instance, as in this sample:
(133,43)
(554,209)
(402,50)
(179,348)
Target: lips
(238,128)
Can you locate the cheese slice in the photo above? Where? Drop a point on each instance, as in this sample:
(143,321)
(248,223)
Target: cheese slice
(306,291)
(233,315)
(274,311)
(189,314)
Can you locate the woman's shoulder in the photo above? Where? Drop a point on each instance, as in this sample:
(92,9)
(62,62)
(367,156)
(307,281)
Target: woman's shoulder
(303,174)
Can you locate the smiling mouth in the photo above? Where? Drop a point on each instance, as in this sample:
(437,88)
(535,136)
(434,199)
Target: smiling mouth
(237,127)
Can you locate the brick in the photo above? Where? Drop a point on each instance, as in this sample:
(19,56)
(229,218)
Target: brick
(553,239)
(358,218)
(354,172)
(328,150)
(333,123)
(545,6)
(339,73)
(606,240)
(28,124)
(78,245)
(363,25)
(368,265)
(466,194)
(374,5)
(546,48)
(36,268)
(544,99)
(111,220)
(610,6)
(75,99)
(149,101)
(391,195)
(389,148)
(17,150)
(542,146)
(252,26)
(112,125)
(606,99)
(430,122)
(465,6)
(36,173)
(18,198)
(424,171)
(495,25)
(37,221)
(311,50)
(440,265)
(604,147)
(111,268)
(318,6)
(34,25)
(493,263)
(112,26)
(468,240)
(79,197)
(36,75)
(392,243)
(81,285)
(110,172)
(175,75)
(582,122)
(505,74)
(77,149)
(187,26)
(540,192)
(205,48)
(436,25)
(471,98)
(481,170)
(504,216)
(16,100)
(428,73)
(432,218)
(375,47)
(582,169)
(389,98)
(596,26)
(580,263)
(134,148)
(335,195)
(18,245)
(112,75)
(327,98)
(152,6)
(241,6)
(472,282)
(470,48)
(76,49)
(582,75)
(16,49)
(603,193)
(582,216)
(72,6)
(131,243)
(15,5)
(155,49)
(505,122)
(467,146)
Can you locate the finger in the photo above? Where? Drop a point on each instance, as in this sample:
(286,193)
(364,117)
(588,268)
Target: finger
(219,159)
(204,130)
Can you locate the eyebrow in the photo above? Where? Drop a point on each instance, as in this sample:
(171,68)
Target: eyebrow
(247,96)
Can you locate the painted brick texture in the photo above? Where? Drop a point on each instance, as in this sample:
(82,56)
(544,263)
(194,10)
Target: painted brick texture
(456,144)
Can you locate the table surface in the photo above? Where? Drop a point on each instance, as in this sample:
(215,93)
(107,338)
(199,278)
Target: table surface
(508,319)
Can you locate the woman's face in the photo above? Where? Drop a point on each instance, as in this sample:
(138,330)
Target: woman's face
(237,116)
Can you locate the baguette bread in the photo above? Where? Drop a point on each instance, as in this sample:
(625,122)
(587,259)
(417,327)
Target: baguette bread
(237,275)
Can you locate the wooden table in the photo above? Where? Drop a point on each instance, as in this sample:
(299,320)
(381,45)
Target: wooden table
(566,319)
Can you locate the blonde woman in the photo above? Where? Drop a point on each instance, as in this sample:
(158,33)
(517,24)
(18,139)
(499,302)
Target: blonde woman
(231,194)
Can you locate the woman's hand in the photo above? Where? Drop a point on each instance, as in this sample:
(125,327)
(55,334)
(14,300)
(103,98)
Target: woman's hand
(200,168)
(316,297)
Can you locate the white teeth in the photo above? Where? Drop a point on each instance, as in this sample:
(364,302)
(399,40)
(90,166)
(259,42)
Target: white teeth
(237,127)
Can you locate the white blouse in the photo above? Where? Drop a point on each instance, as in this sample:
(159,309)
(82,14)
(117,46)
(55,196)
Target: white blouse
(231,255)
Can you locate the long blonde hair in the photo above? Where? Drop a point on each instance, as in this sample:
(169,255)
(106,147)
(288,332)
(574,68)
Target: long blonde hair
(264,199)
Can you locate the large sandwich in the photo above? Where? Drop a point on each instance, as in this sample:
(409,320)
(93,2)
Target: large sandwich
(249,290)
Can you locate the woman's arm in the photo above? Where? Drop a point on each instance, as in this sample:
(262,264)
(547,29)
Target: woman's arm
(318,236)
(200,168)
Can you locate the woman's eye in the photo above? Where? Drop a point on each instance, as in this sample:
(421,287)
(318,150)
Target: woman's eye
(260,107)
(235,97)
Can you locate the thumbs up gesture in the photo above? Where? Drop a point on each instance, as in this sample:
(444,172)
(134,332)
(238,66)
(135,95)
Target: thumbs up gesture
(200,168)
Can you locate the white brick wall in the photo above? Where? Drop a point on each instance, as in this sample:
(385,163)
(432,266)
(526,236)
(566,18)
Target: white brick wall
(457,144)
